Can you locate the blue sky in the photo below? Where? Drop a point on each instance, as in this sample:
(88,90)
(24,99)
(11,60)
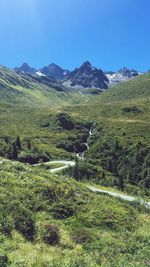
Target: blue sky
(109,33)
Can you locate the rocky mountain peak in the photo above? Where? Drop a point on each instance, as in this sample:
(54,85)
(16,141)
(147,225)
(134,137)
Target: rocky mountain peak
(54,71)
(25,69)
(128,72)
(121,75)
(86,67)
(88,76)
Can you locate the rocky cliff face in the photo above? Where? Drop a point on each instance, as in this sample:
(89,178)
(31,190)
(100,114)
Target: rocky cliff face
(85,76)
(55,71)
(88,76)
(25,69)
(52,70)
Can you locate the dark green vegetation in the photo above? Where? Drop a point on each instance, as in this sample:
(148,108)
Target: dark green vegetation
(119,146)
(49,220)
(111,163)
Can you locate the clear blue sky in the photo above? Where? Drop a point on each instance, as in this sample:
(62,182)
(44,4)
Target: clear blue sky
(109,33)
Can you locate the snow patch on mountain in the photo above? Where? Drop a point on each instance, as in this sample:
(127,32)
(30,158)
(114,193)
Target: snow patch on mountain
(39,73)
(122,75)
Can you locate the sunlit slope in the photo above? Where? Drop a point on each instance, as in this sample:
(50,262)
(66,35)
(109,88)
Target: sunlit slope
(127,94)
(134,89)
(18,89)
(122,110)
(28,109)
(27,106)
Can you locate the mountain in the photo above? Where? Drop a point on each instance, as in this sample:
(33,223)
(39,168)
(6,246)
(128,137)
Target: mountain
(11,78)
(85,76)
(20,92)
(54,71)
(29,90)
(88,76)
(27,106)
(25,69)
(121,75)
(48,81)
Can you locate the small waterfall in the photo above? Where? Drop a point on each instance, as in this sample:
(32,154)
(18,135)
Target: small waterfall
(90,132)
(86,144)
(80,155)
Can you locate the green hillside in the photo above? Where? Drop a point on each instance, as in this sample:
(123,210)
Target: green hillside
(119,146)
(53,220)
(24,90)
(28,109)
(50,220)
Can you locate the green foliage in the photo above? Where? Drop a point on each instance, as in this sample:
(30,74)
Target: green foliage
(32,157)
(83,170)
(65,121)
(129,164)
(6,223)
(76,142)
(133,109)
(50,234)
(63,210)
(34,118)
(45,208)
(4,262)
(10,147)
(24,222)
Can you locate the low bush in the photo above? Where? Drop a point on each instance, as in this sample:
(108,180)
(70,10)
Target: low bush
(51,235)
(33,158)
(4,261)
(63,210)
(65,121)
(6,224)
(25,223)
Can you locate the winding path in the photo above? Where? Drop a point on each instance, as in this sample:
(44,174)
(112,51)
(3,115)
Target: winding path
(66,164)
(118,195)
(95,189)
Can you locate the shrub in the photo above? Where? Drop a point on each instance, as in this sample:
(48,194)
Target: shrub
(51,234)
(33,158)
(84,170)
(63,210)
(25,223)
(133,109)
(130,164)
(4,262)
(65,121)
(6,224)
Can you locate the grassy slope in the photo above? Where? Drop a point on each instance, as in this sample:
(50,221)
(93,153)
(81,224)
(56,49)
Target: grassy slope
(25,108)
(107,109)
(119,233)
(113,233)
(23,111)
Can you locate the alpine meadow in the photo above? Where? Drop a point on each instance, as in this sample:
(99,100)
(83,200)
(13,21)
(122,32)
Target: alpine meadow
(75,140)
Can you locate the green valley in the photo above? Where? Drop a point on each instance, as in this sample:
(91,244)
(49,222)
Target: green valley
(53,219)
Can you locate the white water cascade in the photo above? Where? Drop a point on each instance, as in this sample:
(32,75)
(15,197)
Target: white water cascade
(81,154)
